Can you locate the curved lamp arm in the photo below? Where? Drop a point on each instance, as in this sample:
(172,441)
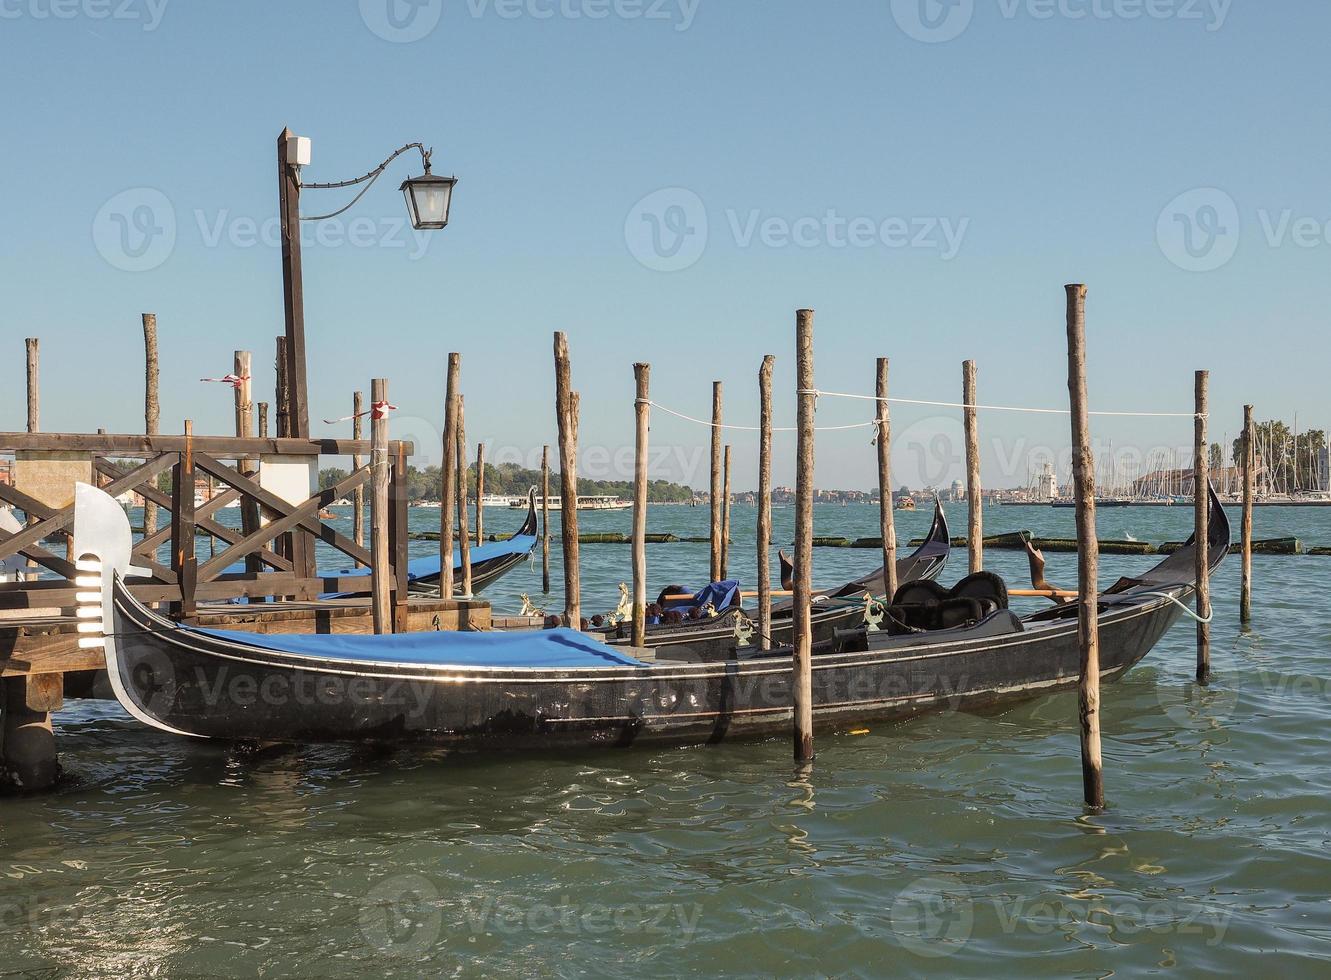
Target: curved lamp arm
(372,176)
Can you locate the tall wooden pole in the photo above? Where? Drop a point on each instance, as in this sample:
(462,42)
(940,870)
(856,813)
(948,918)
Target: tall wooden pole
(263,424)
(764,531)
(33,346)
(357,461)
(566,410)
(545,519)
(1249,477)
(1201,518)
(802,687)
(715,490)
(244,407)
(293,292)
(152,410)
(974,492)
(480,492)
(464,536)
(381,574)
(725,514)
(887,521)
(283,393)
(449,477)
(1088,554)
(642,374)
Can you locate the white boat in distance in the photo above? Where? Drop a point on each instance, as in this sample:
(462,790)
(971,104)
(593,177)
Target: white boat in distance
(585,503)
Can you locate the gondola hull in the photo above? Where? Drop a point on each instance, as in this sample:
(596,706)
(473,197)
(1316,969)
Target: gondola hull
(219,689)
(423,688)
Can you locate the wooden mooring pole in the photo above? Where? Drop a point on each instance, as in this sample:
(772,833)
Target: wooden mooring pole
(357,461)
(152,409)
(33,346)
(1249,477)
(642,374)
(566,411)
(244,408)
(715,486)
(725,515)
(1201,469)
(27,745)
(1088,553)
(974,492)
(449,477)
(802,680)
(263,433)
(464,535)
(545,519)
(765,502)
(886,517)
(381,582)
(480,492)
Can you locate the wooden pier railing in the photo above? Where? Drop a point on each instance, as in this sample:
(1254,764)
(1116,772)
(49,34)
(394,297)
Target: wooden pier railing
(282,546)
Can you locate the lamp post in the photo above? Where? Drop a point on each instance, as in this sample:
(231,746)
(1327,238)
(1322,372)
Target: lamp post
(428,199)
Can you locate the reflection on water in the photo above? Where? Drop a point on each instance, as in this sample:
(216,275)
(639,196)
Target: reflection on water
(953,843)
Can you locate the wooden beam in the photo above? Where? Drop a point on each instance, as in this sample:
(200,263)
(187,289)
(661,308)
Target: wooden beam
(276,505)
(228,447)
(293,516)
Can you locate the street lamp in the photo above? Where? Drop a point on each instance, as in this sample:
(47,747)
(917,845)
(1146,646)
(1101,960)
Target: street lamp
(428,198)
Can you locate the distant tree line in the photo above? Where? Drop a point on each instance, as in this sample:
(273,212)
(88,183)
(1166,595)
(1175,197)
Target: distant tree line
(510,479)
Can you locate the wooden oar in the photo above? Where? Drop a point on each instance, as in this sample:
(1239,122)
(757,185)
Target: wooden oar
(1045,593)
(679,596)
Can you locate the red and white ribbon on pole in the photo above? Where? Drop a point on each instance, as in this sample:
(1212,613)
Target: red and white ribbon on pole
(234,380)
(377,413)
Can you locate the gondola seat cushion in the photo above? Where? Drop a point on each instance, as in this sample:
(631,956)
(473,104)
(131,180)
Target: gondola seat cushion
(988,588)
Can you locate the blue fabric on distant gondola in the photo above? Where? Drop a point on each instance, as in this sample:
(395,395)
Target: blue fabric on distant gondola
(428,566)
(722,595)
(418,568)
(535,650)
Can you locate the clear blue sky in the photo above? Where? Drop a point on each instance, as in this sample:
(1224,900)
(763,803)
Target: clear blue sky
(1049,137)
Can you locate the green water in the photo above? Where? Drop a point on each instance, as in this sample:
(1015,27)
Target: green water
(955,844)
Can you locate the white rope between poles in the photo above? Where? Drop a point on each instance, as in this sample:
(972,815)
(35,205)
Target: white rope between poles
(817,393)
(754,428)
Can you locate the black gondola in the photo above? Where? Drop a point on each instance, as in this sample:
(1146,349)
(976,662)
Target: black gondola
(559,688)
(716,637)
(489,562)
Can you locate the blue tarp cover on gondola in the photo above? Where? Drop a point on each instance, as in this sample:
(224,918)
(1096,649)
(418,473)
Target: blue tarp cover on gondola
(428,566)
(534,650)
(721,595)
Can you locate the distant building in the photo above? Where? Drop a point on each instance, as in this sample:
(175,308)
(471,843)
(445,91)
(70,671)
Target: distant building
(1046,484)
(958,491)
